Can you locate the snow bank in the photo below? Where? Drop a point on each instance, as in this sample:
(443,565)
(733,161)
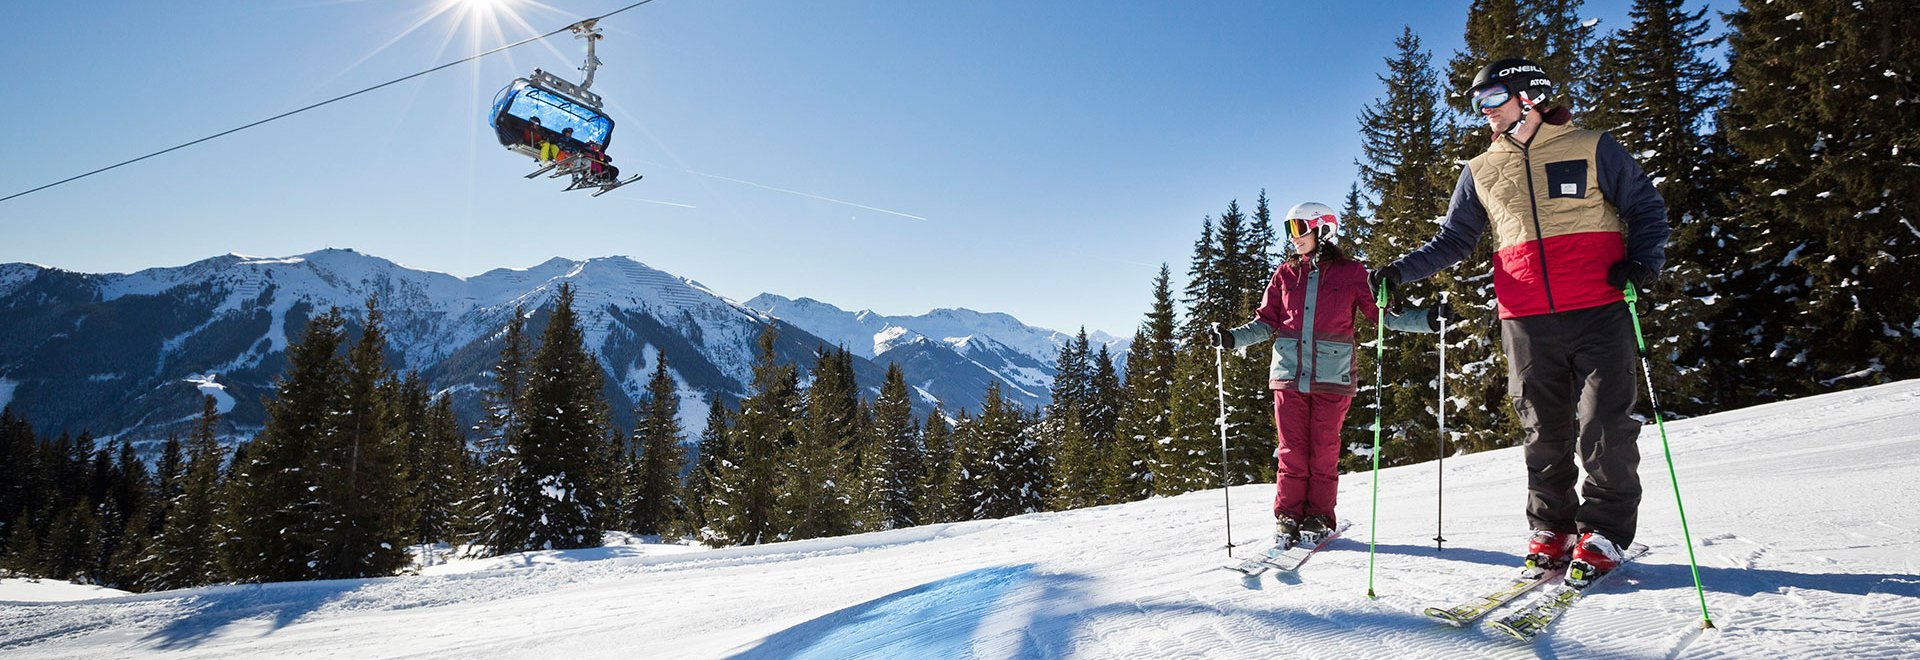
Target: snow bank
(221,399)
(20,590)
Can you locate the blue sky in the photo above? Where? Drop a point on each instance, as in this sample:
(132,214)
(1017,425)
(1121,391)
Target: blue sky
(1037,158)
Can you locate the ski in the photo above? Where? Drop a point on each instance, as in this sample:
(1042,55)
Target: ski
(1287,558)
(1469,611)
(1540,612)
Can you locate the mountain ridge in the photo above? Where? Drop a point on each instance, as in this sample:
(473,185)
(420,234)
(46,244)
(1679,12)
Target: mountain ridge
(126,354)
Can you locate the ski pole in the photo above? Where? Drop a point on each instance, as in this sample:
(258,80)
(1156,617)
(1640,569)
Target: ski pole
(1633,297)
(1220,377)
(1440,465)
(1379,405)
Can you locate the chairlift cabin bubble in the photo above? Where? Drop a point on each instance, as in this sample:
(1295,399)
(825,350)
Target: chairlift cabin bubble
(559,124)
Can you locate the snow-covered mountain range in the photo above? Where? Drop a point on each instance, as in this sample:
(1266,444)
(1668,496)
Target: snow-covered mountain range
(129,355)
(1021,356)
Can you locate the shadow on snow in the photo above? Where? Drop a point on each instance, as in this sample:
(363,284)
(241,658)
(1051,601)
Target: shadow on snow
(1016,611)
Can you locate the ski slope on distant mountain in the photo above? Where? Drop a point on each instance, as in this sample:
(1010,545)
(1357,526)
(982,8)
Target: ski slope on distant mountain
(1803,513)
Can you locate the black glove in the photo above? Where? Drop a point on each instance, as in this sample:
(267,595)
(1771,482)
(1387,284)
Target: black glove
(1438,312)
(1388,278)
(1628,270)
(1221,337)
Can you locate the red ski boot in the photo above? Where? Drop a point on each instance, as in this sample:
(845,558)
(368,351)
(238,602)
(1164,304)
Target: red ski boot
(1592,558)
(1549,549)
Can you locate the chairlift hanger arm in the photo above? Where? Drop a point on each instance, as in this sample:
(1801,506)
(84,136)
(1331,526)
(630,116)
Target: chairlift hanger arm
(589,30)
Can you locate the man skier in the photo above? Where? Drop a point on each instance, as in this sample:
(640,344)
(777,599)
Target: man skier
(1576,220)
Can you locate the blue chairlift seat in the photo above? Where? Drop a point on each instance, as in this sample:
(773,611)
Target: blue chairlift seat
(527,98)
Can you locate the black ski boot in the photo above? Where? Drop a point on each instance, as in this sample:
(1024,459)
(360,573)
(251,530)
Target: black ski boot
(1286,532)
(1315,528)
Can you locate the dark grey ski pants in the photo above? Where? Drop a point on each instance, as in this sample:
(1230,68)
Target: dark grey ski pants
(1574,383)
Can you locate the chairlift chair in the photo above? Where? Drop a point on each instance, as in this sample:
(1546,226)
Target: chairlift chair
(558,105)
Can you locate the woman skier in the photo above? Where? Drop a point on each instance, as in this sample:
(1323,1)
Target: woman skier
(1308,312)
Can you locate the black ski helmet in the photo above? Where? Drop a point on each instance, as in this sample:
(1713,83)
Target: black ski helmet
(1521,76)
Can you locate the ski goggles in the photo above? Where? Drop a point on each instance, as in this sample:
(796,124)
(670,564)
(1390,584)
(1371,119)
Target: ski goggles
(1492,96)
(1297,228)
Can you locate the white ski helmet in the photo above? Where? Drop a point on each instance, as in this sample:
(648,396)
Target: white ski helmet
(1315,217)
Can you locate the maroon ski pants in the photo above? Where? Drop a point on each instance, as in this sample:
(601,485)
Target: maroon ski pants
(1308,478)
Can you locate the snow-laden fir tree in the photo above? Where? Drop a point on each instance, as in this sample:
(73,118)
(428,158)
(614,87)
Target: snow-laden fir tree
(940,480)
(1003,472)
(499,525)
(713,450)
(1655,89)
(1144,421)
(1407,182)
(439,473)
(816,499)
(1068,451)
(1824,113)
(1105,397)
(895,461)
(188,552)
(653,502)
(357,473)
(742,508)
(561,444)
(274,522)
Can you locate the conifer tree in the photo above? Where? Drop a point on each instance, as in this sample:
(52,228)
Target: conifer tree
(187,554)
(1003,466)
(1105,398)
(1408,179)
(1069,467)
(1261,254)
(654,504)
(274,522)
(1821,113)
(742,508)
(65,552)
(1144,421)
(895,461)
(561,441)
(357,472)
(813,498)
(1075,481)
(501,522)
(1205,305)
(122,522)
(439,471)
(938,491)
(1188,458)
(1655,88)
(167,473)
(17,464)
(713,450)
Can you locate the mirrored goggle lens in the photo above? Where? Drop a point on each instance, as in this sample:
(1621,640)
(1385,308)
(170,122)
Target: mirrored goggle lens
(1296,228)
(1492,97)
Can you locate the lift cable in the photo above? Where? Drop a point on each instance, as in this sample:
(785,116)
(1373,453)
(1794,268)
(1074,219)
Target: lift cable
(342,97)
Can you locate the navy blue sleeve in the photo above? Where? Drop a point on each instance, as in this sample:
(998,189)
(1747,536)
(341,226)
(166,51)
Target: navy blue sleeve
(1632,194)
(1466,221)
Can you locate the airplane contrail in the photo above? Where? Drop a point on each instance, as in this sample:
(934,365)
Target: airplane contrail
(802,194)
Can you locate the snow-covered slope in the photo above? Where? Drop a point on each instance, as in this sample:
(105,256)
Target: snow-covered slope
(1803,515)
